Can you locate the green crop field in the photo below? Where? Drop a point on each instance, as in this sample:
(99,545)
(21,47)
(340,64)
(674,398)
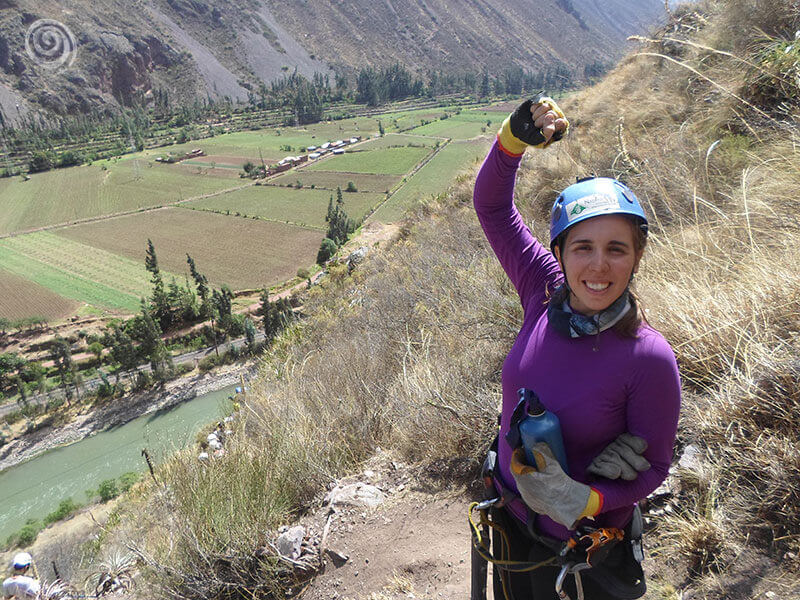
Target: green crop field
(66,282)
(408,119)
(454,127)
(65,195)
(305,207)
(393,140)
(330,180)
(392,161)
(243,253)
(22,298)
(434,178)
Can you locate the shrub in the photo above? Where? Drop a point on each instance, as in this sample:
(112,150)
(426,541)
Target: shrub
(40,161)
(208,363)
(351,187)
(326,250)
(25,536)
(127,481)
(108,490)
(65,509)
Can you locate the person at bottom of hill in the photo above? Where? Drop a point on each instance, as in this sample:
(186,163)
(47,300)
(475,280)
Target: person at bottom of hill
(21,585)
(587,353)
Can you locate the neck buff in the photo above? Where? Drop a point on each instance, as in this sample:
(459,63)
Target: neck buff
(575,325)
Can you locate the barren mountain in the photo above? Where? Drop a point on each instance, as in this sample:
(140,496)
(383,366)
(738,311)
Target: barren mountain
(70,56)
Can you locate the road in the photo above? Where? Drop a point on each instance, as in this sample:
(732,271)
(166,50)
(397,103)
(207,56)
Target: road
(92,384)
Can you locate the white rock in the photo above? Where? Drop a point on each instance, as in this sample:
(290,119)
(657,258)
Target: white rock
(355,494)
(690,459)
(290,543)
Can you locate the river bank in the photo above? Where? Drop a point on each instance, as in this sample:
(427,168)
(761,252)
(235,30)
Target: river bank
(120,411)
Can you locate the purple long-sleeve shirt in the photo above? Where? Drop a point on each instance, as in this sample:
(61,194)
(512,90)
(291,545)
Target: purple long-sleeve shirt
(598,386)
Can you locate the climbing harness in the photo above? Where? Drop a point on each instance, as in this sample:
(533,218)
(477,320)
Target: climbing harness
(584,550)
(588,548)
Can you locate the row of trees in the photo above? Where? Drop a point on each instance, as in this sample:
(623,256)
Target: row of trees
(125,345)
(340,226)
(59,141)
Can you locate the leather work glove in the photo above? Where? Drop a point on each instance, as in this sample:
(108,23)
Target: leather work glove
(621,458)
(538,123)
(549,491)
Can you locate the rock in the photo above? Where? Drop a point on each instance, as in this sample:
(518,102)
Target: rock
(337,558)
(290,543)
(690,459)
(356,257)
(355,494)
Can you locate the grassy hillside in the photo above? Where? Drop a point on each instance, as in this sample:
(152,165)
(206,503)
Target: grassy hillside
(405,353)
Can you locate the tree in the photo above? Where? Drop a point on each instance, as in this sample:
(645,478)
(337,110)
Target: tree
(351,187)
(221,319)
(202,286)
(274,315)
(159,298)
(41,160)
(326,249)
(61,354)
(330,210)
(340,226)
(123,351)
(96,348)
(250,332)
(10,363)
(145,330)
(5,325)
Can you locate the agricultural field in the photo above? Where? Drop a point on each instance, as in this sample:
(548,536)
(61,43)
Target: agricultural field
(433,178)
(393,140)
(23,298)
(330,180)
(99,264)
(252,145)
(401,121)
(65,195)
(304,207)
(391,161)
(464,125)
(74,276)
(242,253)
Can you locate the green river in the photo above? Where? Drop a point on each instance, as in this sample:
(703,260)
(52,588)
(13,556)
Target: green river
(34,488)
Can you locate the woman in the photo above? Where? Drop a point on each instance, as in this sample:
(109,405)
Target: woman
(584,349)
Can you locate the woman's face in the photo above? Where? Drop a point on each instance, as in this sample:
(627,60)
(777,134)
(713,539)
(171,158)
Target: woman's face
(598,259)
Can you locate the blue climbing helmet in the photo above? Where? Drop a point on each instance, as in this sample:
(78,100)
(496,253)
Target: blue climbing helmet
(592,197)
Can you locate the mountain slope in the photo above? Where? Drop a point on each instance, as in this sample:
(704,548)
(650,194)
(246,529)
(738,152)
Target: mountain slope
(124,51)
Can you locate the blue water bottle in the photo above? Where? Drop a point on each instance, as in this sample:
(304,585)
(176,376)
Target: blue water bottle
(540,425)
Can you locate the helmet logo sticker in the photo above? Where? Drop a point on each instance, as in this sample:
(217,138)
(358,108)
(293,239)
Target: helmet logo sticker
(592,203)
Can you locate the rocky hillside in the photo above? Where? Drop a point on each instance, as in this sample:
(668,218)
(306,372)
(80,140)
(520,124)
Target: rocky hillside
(67,57)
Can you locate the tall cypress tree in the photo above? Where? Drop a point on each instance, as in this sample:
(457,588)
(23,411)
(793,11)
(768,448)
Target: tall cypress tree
(159,300)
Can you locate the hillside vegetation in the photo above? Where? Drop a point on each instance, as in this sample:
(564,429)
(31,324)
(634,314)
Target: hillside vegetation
(405,353)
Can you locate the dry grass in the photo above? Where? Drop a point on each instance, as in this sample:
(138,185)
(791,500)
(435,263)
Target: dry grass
(406,353)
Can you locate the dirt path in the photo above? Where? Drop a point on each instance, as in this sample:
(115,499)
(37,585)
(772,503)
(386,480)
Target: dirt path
(414,545)
(417,546)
